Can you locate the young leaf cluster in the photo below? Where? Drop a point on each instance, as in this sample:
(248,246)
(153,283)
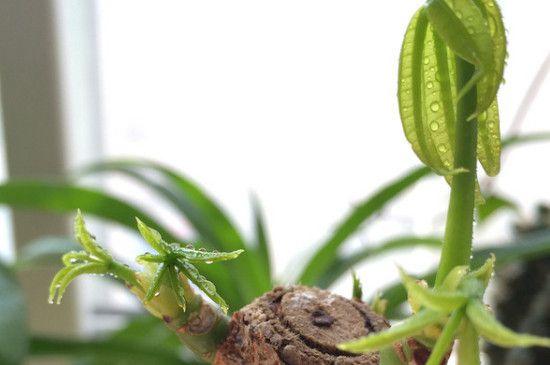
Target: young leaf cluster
(442,29)
(173,263)
(453,310)
(94,259)
(173,259)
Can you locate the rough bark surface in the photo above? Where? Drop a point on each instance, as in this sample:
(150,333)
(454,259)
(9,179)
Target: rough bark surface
(299,325)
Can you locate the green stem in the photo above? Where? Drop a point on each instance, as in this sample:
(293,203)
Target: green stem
(457,246)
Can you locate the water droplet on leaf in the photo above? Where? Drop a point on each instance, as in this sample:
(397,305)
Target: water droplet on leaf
(434,106)
(434,126)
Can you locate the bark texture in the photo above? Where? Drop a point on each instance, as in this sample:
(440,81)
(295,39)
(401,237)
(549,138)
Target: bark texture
(299,325)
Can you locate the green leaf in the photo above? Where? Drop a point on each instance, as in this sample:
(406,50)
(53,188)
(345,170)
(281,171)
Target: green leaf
(468,344)
(438,300)
(424,103)
(378,340)
(493,204)
(454,277)
(485,272)
(261,241)
(152,237)
(44,252)
(341,265)
(63,197)
(13,327)
(323,258)
(488,327)
(156,282)
(202,283)
(87,241)
(177,287)
(66,275)
(195,256)
(357,292)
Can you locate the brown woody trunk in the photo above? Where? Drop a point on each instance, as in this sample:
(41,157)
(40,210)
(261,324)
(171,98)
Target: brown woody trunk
(299,325)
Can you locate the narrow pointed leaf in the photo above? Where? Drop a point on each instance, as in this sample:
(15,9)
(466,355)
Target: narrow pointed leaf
(468,344)
(261,241)
(437,300)
(152,237)
(88,241)
(150,258)
(66,275)
(409,327)
(488,327)
(357,292)
(196,256)
(177,287)
(454,277)
(64,197)
(341,265)
(485,272)
(74,257)
(202,283)
(324,256)
(156,282)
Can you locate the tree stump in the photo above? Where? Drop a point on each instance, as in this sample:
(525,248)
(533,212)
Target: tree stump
(299,325)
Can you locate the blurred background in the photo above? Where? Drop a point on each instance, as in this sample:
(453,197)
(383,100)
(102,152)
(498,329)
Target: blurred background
(293,102)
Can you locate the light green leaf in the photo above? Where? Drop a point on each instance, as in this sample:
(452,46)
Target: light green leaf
(323,258)
(202,283)
(357,292)
(409,327)
(488,327)
(454,277)
(87,241)
(195,256)
(468,344)
(485,272)
(177,286)
(261,241)
(66,275)
(13,327)
(438,300)
(152,237)
(156,282)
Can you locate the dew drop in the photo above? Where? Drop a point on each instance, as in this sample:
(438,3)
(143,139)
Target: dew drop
(458,14)
(434,126)
(491,125)
(471,30)
(50,301)
(434,106)
(429,85)
(442,147)
(426,60)
(157,294)
(208,262)
(482,117)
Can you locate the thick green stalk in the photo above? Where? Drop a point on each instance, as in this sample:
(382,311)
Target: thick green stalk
(457,245)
